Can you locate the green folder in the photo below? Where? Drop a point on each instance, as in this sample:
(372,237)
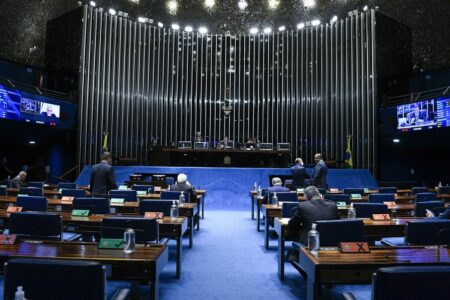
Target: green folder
(356,196)
(111,244)
(80,212)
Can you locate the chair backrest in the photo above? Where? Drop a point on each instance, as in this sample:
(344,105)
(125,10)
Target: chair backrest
(128,195)
(425,232)
(172,195)
(36,225)
(94,205)
(3,191)
(338,197)
(36,184)
(155,206)
(421,207)
(366,210)
(66,185)
(64,279)
(387,190)
(381,197)
(32,203)
(444,189)
(428,196)
(73,193)
(146,230)
(411,282)
(323,191)
(288,183)
(170,180)
(332,232)
(288,208)
(438,210)
(150,189)
(350,191)
(31,191)
(284,196)
(421,189)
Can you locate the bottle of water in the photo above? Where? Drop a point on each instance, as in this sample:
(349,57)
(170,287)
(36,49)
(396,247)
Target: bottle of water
(182,198)
(130,240)
(168,187)
(259,191)
(313,239)
(174,212)
(20,294)
(255,186)
(275,199)
(351,212)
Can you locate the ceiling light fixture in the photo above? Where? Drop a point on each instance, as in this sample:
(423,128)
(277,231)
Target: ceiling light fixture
(300,25)
(112,11)
(315,22)
(175,26)
(203,30)
(282,28)
(253,30)
(242,4)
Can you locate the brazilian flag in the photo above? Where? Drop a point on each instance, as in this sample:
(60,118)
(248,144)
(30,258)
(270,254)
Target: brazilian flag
(105,142)
(348,153)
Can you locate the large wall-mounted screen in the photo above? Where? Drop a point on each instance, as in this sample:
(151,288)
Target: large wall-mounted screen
(426,114)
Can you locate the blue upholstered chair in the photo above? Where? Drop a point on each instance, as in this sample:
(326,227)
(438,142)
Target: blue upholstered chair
(3,191)
(155,206)
(428,196)
(128,195)
(33,225)
(31,191)
(149,189)
(323,191)
(172,195)
(146,229)
(421,189)
(387,190)
(66,185)
(32,203)
(423,232)
(380,198)
(36,184)
(338,198)
(284,196)
(350,191)
(94,205)
(73,193)
(170,180)
(444,189)
(421,207)
(288,209)
(288,183)
(366,210)
(68,279)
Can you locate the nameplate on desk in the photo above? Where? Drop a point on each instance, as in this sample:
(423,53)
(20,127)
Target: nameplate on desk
(356,196)
(117,200)
(366,190)
(157,189)
(154,215)
(80,212)
(111,244)
(141,193)
(334,190)
(122,187)
(300,191)
(8,239)
(13,209)
(67,199)
(389,203)
(341,204)
(381,217)
(22,195)
(354,247)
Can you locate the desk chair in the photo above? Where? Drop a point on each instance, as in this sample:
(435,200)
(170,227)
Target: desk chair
(366,210)
(66,185)
(322,191)
(150,189)
(338,198)
(416,190)
(173,195)
(421,207)
(387,190)
(428,196)
(95,206)
(444,189)
(146,230)
(381,197)
(36,184)
(155,206)
(350,191)
(423,232)
(73,193)
(170,180)
(31,191)
(288,209)
(32,203)
(3,191)
(128,195)
(288,183)
(284,197)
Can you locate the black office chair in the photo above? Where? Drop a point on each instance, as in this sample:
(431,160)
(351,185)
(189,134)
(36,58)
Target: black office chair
(94,205)
(423,232)
(428,196)
(66,185)
(444,189)
(387,190)
(366,210)
(32,203)
(421,207)
(284,197)
(419,189)
(288,209)
(31,191)
(36,184)
(381,198)
(350,191)
(146,230)
(173,195)
(163,206)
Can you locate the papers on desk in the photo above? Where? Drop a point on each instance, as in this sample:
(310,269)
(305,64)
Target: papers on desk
(117,200)
(123,187)
(300,191)
(356,196)
(341,204)
(141,193)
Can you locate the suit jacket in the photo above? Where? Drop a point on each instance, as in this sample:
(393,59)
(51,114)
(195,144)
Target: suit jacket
(299,175)
(277,189)
(309,212)
(319,175)
(187,188)
(102,179)
(16,182)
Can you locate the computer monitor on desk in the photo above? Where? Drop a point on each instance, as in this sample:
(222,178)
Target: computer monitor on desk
(283,146)
(266,146)
(184,144)
(201,145)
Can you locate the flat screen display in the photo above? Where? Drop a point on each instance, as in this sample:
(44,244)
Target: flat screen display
(426,114)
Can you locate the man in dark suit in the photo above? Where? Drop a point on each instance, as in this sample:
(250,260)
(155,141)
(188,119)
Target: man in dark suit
(19,181)
(182,185)
(276,186)
(102,177)
(308,212)
(299,175)
(320,172)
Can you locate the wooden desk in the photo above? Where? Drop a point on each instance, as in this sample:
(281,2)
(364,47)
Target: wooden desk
(330,266)
(145,264)
(373,230)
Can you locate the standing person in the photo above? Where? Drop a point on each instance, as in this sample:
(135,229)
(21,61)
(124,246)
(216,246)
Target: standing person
(19,181)
(299,174)
(102,177)
(4,170)
(320,172)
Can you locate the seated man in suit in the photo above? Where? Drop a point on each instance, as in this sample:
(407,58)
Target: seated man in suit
(299,175)
(308,212)
(182,185)
(102,177)
(19,181)
(320,172)
(277,186)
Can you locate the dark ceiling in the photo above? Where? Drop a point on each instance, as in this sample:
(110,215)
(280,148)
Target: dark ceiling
(23,22)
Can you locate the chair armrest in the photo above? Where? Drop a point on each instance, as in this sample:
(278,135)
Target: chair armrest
(122,294)
(348,296)
(297,245)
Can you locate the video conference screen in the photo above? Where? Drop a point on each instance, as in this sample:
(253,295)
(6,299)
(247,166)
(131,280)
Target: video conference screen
(26,107)
(427,114)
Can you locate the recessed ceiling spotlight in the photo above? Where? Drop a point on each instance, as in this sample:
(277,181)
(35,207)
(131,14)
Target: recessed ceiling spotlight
(112,11)
(32,142)
(203,30)
(300,25)
(161,25)
(365,8)
(396,140)
(142,20)
(172,7)
(188,29)
(309,3)
(282,28)
(315,22)
(242,4)
(273,4)
(209,3)
(92,3)
(175,26)
(253,30)
(267,30)
(333,19)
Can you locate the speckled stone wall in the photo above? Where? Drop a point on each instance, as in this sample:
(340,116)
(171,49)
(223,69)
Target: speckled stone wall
(23,22)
